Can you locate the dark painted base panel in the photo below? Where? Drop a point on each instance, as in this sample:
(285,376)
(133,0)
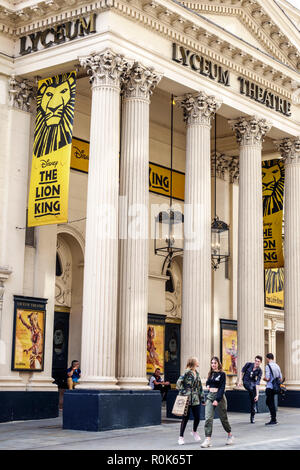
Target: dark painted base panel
(21,406)
(102,410)
(291,399)
(239,401)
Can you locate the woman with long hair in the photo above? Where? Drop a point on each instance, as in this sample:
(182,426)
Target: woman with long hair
(190,384)
(216,383)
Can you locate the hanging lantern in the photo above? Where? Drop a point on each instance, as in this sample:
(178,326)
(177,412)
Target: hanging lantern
(220,242)
(168,224)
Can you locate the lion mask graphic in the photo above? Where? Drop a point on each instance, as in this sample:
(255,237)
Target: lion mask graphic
(55,114)
(273,186)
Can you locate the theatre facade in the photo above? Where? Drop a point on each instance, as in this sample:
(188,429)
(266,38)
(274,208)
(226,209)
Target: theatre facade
(177,107)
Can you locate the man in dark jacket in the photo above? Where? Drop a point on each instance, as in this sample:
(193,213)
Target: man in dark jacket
(251,376)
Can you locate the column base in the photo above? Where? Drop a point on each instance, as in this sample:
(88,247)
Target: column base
(135,383)
(97,383)
(291,399)
(11,383)
(21,406)
(41,384)
(239,401)
(103,410)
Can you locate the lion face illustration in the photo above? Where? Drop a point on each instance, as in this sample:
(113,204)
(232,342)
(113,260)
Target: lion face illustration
(273,186)
(55,114)
(274,280)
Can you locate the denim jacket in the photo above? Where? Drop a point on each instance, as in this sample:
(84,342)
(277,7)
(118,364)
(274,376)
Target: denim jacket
(191,385)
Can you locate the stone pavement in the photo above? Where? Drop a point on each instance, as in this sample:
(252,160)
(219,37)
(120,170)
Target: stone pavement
(49,435)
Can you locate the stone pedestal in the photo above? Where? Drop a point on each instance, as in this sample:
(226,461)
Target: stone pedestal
(23,406)
(102,410)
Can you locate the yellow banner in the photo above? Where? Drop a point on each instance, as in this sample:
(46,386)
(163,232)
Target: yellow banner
(273,193)
(274,288)
(80,155)
(160,181)
(159,176)
(49,183)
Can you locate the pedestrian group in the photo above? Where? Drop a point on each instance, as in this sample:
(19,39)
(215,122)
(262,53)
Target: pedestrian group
(189,384)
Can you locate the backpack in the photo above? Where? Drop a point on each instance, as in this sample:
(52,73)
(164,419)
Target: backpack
(278,387)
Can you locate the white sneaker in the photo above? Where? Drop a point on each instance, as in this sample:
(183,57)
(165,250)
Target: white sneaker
(181,441)
(207,443)
(230,441)
(196,436)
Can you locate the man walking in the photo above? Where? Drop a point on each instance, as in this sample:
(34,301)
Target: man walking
(251,376)
(273,372)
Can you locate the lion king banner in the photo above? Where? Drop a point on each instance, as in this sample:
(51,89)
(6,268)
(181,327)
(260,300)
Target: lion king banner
(49,183)
(273,193)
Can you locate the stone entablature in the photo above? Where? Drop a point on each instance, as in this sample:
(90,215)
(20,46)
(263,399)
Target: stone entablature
(176,24)
(258,22)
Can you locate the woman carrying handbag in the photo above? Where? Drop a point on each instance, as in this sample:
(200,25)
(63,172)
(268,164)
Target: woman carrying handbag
(189,384)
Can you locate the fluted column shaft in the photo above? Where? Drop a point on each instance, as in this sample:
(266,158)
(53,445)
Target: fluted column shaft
(101,252)
(290,151)
(134,247)
(196,294)
(250,133)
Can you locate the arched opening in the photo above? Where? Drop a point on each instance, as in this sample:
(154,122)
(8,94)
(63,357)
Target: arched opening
(68,306)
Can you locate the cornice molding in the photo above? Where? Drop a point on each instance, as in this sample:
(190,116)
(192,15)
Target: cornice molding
(171,23)
(258,23)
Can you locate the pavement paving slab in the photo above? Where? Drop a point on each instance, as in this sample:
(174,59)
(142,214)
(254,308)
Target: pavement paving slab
(48,435)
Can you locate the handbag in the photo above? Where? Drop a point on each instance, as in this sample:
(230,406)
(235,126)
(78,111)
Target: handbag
(181,405)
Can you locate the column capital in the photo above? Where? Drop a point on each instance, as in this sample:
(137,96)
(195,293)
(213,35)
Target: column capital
(289,149)
(21,93)
(106,68)
(250,130)
(199,108)
(140,81)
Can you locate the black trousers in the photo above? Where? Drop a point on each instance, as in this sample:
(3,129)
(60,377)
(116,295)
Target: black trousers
(196,413)
(270,401)
(252,395)
(163,390)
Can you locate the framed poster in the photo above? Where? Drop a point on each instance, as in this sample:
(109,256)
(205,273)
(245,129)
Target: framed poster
(229,351)
(155,343)
(29,334)
(274,288)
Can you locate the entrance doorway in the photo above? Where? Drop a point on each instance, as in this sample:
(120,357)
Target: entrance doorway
(172,352)
(60,348)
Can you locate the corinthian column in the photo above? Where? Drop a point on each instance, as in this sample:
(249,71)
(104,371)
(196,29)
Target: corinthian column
(290,151)
(196,302)
(250,133)
(101,251)
(134,248)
